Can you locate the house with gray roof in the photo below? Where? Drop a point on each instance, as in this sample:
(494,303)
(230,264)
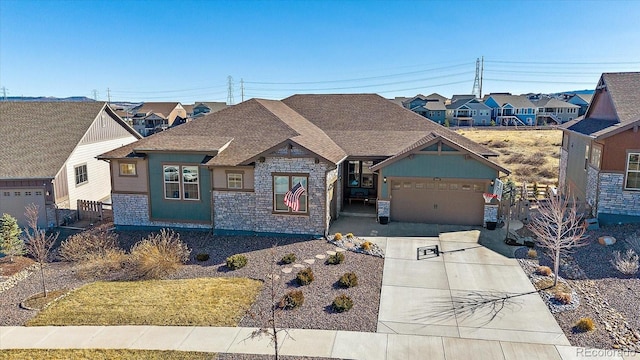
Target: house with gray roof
(582,100)
(553,111)
(48,156)
(230,171)
(468,112)
(431,106)
(600,156)
(510,109)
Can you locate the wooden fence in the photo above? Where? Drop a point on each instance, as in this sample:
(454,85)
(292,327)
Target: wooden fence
(90,210)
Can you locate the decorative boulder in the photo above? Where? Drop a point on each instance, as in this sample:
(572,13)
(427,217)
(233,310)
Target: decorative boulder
(606,240)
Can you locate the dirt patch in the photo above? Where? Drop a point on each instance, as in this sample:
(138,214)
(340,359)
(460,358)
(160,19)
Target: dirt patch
(8,268)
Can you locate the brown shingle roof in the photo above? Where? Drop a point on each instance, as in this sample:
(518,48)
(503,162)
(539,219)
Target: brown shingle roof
(372,123)
(160,108)
(38,137)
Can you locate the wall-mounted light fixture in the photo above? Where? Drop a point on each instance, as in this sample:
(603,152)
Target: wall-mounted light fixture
(384,179)
(492,182)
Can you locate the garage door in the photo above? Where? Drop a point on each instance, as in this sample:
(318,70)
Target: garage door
(14,201)
(437,202)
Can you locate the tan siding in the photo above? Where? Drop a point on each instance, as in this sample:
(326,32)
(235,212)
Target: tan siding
(220,177)
(614,157)
(61,185)
(103,128)
(130,184)
(177,111)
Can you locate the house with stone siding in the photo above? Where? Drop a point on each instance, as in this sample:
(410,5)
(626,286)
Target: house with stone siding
(230,170)
(600,156)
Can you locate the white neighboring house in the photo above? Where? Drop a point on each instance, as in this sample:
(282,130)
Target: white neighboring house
(48,156)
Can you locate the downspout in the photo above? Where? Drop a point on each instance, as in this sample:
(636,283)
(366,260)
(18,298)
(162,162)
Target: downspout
(211,204)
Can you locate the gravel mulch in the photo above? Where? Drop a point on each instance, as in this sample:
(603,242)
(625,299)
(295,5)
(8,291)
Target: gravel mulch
(315,313)
(610,298)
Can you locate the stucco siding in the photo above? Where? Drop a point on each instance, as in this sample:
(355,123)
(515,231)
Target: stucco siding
(220,176)
(132,184)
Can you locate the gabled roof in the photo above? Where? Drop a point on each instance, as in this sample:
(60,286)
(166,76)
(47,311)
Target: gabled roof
(161,108)
(38,137)
(434,105)
(455,98)
(517,101)
(212,105)
(436,96)
(553,103)
(188,108)
(584,97)
(330,126)
(470,103)
(624,91)
(433,138)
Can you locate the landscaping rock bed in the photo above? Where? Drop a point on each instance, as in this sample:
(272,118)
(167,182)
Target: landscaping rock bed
(263,260)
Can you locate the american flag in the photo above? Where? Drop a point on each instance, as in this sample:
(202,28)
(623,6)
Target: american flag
(292,197)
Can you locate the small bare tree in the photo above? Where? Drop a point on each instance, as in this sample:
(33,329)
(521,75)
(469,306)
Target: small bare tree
(558,228)
(39,244)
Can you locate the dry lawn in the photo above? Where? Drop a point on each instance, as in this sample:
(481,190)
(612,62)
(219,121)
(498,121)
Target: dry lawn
(530,155)
(187,302)
(102,354)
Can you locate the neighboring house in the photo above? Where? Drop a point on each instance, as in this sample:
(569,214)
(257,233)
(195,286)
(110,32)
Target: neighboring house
(431,107)
(229,171)
(511,109)
(48,155)
(203,108)
(554,111)
(151,117)
(600,156)
(582,100)
(468,112)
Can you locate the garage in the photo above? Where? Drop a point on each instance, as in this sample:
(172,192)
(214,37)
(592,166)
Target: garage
(446,201)
(14,200)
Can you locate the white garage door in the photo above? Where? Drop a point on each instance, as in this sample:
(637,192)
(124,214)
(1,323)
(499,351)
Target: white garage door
(14,201)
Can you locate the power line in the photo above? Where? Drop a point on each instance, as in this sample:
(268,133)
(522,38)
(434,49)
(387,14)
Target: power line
(564,63)
(543,82)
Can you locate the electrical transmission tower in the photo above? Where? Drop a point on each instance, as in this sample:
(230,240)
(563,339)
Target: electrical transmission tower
(242,90)
(230,100)
(4,93)
(95,94)
(477,82)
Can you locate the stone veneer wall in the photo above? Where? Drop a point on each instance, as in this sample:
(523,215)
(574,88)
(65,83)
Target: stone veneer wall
(612,199)
(133,210)
(592,186)
(266,221)
(562,173)
(234,210)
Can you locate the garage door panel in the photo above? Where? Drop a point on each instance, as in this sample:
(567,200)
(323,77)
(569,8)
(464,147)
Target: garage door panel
(445,202)
(14,201)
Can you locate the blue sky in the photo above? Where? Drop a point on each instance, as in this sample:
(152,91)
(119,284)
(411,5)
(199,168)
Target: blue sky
(185,50)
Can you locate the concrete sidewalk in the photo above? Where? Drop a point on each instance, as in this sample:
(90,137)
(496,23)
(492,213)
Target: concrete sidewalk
(318,343)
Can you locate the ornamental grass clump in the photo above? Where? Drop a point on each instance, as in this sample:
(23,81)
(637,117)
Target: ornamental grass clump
(544,270)
(291,300)
(342,303)
(562,297)
(288,259)
(585,324)
(335,259)
(626,263)
(348,280)
(337,236)
(159,255)
(237,261)
(367,245)
(305,277)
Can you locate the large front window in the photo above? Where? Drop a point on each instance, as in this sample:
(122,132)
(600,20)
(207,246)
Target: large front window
(181,182)
(359,174)
(632,181)
(281,185)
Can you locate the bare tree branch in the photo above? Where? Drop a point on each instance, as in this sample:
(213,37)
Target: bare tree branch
(38,243)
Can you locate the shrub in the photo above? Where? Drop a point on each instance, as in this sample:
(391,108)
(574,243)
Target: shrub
(289,258)
(585,324)
(562,297)
(237,261)
(350,236)
(532,254)
(88,245)
(305,277)
(349,280)
(158,255)
(515,159)
(342,303)
(202,257)
(634,242)
(335,259)
(10,242)
(367,245)
(291,300)
(544,270)
(499,144)
(626,263)
(102,265)
(337,237)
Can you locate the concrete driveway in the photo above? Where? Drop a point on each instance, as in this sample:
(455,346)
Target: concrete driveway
(470,291)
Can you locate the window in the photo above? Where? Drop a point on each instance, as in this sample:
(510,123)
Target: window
(367,175)
(181,182)
(128,169)
(27,193)
(81,174)
(38,193)
(633,172)
(6,193)
(234,180)
(281,185)
(17,193)
(596,155)
(354,174)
